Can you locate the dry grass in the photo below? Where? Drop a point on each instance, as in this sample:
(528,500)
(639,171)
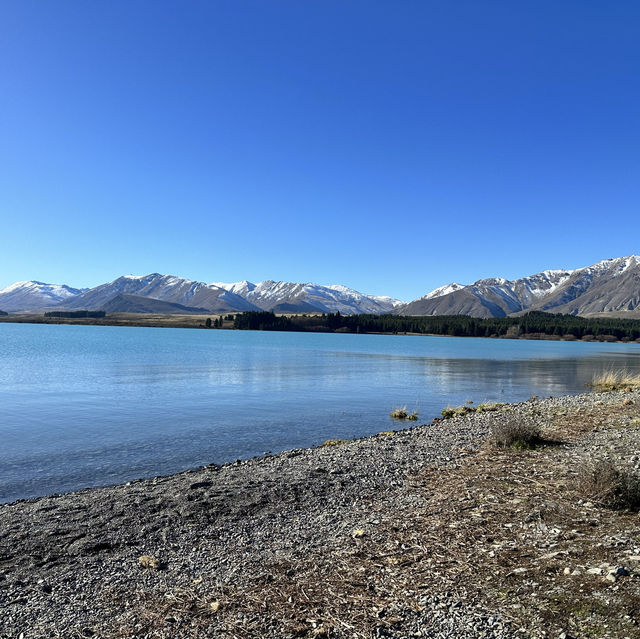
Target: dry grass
(147,561)
(611,381)
(609,485)
(334,442)
(458,411)
(510,531)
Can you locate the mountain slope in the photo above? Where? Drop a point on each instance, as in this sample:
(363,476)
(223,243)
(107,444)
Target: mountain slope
(124,303)
(494,297)
(608,286)
(293,297)
(166,288)
(28,295)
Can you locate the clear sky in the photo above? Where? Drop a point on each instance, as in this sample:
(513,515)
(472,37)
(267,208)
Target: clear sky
(392,146)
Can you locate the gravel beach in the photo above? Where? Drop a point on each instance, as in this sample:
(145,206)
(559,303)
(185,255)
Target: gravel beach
(386,536)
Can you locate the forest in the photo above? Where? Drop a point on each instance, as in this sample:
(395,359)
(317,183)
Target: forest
(531,325)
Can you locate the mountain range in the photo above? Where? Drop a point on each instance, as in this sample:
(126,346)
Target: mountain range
(156,293)
(610,286)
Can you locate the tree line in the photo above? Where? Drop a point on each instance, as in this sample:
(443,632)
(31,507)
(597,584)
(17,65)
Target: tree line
(75,314)
(531,324)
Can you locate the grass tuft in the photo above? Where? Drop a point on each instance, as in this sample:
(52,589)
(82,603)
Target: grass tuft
(611,381)
(334,442)
(401,413)
(487,408)
(612,487)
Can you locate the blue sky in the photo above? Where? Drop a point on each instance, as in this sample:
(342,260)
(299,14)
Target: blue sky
(390,146)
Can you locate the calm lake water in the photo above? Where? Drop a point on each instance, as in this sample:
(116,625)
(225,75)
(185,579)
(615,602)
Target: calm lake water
(88,405)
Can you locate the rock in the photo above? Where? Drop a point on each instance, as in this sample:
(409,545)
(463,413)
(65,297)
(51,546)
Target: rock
(200,484)
(147,561)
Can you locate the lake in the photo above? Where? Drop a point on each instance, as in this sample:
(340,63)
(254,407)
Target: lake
(92,405)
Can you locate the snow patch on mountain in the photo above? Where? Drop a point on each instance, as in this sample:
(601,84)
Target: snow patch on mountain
(32,294)
(443,290)
(270,295)
(167,288)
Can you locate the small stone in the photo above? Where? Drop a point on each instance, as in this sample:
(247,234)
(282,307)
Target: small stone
(594,571)
(611,577)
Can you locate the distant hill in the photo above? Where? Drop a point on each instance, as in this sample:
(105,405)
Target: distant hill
(124,303)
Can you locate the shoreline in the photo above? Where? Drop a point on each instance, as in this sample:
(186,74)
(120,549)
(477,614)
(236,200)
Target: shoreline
(146,320)
(341,540)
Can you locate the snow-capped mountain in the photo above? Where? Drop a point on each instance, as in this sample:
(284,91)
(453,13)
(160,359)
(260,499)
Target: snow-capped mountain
(167,288)
(293,297)
(443,290)
(610,285)
(28,295)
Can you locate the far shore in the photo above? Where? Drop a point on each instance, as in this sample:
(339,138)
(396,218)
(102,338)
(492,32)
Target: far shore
(153,320)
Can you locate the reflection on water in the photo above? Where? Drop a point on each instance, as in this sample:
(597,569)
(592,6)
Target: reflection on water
(86,406)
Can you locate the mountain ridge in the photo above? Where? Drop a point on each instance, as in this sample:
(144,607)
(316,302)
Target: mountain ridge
(609,286)
(307,297)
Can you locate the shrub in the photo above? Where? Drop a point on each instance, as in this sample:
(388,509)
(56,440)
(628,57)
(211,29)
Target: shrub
(603,482)
(515,434)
